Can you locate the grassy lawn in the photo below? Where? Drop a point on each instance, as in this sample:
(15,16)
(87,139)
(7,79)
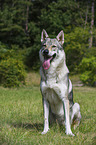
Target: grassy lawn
(21,117)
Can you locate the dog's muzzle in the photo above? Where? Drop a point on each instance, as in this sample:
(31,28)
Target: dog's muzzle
(45,52)
(47,59)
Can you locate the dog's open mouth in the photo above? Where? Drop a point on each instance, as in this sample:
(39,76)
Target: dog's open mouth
(47,61)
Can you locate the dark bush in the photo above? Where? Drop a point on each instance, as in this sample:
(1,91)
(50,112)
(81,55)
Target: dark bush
(88,71)
(12,73)
(76,44)
(32,57)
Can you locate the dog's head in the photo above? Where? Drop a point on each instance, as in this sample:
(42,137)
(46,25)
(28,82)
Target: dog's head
(51,49)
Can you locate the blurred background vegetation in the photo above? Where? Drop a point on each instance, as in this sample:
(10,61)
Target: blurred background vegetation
(21,23)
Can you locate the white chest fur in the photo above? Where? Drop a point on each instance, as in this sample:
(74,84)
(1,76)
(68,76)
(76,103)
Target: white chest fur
(54,95)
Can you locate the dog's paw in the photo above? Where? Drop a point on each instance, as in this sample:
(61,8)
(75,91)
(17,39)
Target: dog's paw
(69,133)
(45,131)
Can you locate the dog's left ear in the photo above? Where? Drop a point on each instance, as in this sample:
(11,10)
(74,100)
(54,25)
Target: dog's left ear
(44,35)
(60,37)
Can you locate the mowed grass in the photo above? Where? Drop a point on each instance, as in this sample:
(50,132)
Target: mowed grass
(21,117)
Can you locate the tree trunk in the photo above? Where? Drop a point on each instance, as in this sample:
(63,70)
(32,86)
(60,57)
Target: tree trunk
(92,24)
(86,16)
(27,15)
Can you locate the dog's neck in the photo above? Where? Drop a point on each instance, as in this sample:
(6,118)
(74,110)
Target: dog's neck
(54,74)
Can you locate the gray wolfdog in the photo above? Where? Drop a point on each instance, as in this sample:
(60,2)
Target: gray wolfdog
(56,87)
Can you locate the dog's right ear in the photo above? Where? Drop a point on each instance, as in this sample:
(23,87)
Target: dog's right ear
(60,37)
(44,35)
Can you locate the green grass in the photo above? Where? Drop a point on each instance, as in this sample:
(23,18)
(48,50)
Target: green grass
(21,117)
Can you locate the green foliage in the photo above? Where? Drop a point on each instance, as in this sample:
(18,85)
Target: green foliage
(88,71)
(32,52)
(12,27)
(12,72)
(14,52)
(32,57)
(60,15)
(76,44)
(21,23)
(34,32)
(90,52)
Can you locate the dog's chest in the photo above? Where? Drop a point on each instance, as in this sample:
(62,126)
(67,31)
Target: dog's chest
(51,96)
(49,92)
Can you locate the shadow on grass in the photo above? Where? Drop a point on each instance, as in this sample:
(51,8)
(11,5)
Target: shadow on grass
(34,126)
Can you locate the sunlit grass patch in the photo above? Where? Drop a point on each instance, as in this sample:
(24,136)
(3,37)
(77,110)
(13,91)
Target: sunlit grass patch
(33,78)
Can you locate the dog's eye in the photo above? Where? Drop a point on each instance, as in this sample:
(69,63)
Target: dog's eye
(44,46)
(53,46)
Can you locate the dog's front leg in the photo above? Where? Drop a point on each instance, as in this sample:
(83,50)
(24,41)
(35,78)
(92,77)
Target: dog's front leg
(67,118)
(46,116)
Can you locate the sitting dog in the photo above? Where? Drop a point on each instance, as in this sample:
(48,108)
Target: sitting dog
(56,87)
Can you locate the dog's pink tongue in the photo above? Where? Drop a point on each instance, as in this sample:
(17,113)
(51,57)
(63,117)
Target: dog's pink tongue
(46,63)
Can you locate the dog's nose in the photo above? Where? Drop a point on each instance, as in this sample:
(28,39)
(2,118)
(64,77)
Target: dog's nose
(46,51)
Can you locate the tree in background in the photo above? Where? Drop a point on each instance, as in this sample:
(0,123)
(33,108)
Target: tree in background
(92,25)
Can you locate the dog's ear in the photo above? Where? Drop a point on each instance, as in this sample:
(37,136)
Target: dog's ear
(44,35)
(60,37)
